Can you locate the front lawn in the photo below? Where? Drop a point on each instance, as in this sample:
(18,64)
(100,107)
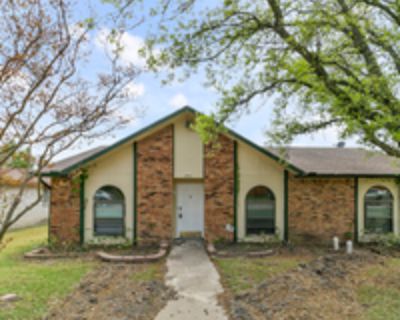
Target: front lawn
(380,291)
(365,286)
(240,274)
(35,282)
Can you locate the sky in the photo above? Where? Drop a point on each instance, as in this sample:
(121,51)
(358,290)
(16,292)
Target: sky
(154,100)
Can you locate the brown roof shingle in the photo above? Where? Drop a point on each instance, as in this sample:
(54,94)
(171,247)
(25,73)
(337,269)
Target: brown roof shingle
(339,161)
(72,160)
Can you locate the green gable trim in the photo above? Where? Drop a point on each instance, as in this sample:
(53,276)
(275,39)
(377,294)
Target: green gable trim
(236,191)
(54,174)
(286,206)
(81,209)
(127,139)
(134,154)
(356,209)
(265,152)
(160,122)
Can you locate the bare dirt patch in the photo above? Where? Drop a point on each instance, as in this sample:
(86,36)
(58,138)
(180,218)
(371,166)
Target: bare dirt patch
(116,291)
(324,288)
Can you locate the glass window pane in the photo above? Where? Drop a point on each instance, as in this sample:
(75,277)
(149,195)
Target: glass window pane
(379,211)
(109,227)
(108,194)
(109,212)
(378,204)
(260,211)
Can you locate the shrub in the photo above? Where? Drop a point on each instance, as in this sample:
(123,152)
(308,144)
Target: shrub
(389,240)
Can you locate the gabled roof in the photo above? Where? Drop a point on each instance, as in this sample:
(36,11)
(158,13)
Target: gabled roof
(304,161)
(340,161)
(69,164)
(65,163)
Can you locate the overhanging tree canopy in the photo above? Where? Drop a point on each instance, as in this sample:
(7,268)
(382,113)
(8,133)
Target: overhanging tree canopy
(327,62)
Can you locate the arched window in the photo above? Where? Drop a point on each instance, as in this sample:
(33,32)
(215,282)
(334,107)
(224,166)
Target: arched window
(109,212)
(378,204)
(260,211)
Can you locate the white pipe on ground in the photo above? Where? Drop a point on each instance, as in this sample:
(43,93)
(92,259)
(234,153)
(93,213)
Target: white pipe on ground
(349,247)
(335,243)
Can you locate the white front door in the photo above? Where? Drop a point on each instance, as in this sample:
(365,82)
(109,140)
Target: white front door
(189,209)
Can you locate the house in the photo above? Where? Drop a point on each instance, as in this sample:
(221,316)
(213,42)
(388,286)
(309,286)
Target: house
(10,182)
(162,182)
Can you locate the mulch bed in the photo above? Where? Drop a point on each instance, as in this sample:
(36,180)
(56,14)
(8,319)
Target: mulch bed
(110,293)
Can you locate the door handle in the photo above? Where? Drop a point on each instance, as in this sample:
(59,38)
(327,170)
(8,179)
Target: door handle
(180,216)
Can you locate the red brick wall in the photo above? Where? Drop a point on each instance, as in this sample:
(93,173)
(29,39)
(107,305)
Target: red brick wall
(155,186)
(320,208)
(219,189)
(64,220)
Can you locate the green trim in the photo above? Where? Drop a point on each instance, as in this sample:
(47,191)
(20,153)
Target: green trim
(236,191)
(54,174)
(356,209)
(163,120)
(128,138)
(81,208)
(50,217)
(286,205)
(265,152)
(134,192)
(173,151)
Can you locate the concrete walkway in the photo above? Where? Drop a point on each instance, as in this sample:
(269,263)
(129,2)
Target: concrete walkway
(192,275)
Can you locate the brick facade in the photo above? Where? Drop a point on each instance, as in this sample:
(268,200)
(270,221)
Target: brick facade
(155,186)
(64,220)
(219,189)
(320,208)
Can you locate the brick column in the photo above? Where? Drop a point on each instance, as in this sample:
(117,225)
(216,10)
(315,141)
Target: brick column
(219,189)
(155,188)
(64,220)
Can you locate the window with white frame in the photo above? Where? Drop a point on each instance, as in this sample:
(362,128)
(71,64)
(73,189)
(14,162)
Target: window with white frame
(109,212)
(378,206)
(260,211)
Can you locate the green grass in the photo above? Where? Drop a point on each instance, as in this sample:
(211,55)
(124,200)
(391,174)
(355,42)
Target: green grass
(241,274)
(380,293)
(149,273)
(35,282)
(383,303)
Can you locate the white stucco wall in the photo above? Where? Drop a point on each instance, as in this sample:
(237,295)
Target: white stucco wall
(255,169)
(364,184)
(188,151)
(115,169)
(38,214)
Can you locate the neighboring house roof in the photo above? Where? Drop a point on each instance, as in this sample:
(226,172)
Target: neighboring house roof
(14,177)
(304,161)
(65,163)
(340,161)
